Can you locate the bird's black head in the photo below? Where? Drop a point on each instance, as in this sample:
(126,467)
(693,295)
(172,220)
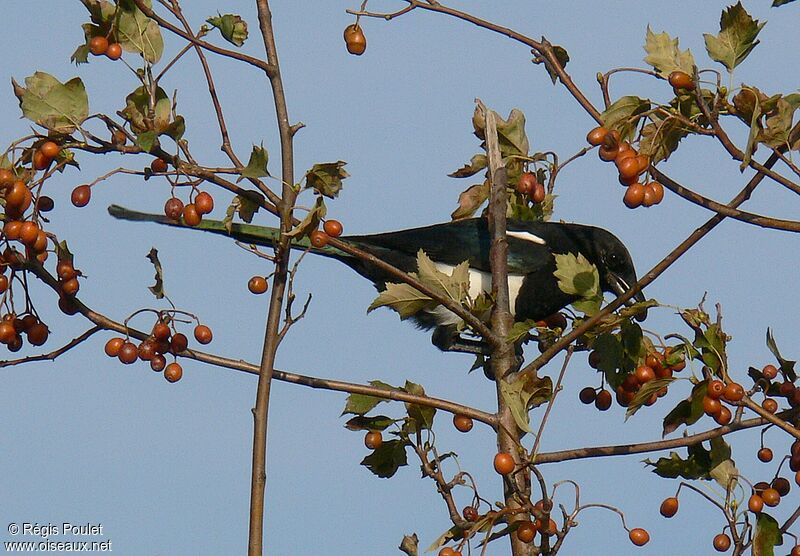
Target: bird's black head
(610,256)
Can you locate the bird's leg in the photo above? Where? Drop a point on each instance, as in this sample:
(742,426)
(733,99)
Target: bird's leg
(447,339)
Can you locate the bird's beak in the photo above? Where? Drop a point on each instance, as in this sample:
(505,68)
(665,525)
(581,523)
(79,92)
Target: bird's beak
(620,286)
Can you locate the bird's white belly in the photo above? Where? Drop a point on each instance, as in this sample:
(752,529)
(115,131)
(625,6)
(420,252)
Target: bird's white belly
(479,282)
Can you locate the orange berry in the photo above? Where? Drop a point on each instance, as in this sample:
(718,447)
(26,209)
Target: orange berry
(373,440)
(114,51)
(355,40)
(98,45)
(596,136)
(639,537)
(733,392)
(715,389)
(257,285)
(722,542)
(669,507)
(462,423)
(634,196)
(333,228)
(318,238)
(681,80)
(526,531)
(50,149)
(503,463)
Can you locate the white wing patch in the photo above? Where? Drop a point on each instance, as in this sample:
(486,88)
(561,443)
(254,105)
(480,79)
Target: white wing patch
(479,282)
(526,236)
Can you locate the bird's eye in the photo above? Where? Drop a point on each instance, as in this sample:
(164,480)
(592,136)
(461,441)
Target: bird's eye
(614,260)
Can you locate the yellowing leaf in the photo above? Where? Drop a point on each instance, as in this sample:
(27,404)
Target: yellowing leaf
(455,285)
(470,200)
(736,39)
(408,301)
(47,102)
(665,56)
(475,165)
(311,221)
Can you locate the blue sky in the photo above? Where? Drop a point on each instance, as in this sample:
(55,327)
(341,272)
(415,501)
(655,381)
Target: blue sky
(165,468)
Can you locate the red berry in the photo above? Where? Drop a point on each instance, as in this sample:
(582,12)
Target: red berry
(81,195)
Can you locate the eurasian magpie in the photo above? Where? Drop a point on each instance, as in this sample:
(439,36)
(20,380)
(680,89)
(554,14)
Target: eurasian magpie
(533,288)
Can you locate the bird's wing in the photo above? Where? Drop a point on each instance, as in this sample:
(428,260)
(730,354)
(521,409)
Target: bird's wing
(463,240)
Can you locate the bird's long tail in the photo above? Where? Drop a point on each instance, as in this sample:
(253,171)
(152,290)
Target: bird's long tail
(246,233)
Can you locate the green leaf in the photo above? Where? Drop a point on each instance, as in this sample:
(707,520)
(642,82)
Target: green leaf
(576,275)
(363,423)
(519,330)
(232,27)
(421,414)
(644,393)
(786,365)
(624,114)
(257,165)
(158,288)
(246,205)
(687,412)
(47,102)
(563,58)
(326,178)
(147,140)
(386,459)
(312,219)
(665,56)
(736,39)
(475,165)
(470,200)
(523,393)
(767,536)
(696,466)
(404,299)
(359,404)
(138,33)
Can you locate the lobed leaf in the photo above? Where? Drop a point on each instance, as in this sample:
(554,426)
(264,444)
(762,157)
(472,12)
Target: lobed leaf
(736,39)
(59,107)
(665,56)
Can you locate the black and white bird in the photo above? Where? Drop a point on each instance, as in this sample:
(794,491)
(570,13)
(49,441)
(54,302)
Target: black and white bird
(533,288)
